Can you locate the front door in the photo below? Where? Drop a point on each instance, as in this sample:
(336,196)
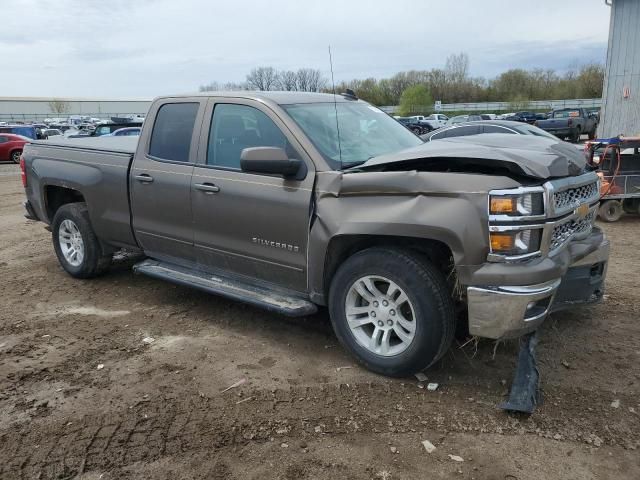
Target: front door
(160,181)
(244,223)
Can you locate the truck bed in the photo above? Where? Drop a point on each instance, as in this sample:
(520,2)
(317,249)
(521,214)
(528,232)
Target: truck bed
(95,167)
(105,144)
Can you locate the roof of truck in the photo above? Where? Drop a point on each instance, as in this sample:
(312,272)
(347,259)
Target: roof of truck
(281,98)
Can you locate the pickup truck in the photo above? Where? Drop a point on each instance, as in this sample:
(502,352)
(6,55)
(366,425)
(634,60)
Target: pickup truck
(570,123)
(294,201)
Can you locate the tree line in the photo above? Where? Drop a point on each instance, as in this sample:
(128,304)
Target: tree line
(451,84)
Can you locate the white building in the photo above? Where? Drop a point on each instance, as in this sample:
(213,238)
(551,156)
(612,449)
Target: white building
(621,93)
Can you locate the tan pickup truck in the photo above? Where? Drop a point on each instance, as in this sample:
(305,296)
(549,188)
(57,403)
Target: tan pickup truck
(294,201)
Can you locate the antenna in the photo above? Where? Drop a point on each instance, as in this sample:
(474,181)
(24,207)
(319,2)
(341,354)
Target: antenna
(335,104)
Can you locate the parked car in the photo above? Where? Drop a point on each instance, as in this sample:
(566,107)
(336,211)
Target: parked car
(125,132)
(414,125)
(11,146)
(486,126)
(436,120)
(51,133)
(104,129)
(525,117)
(258,198)
(457,119)
(570,123)
(28,131)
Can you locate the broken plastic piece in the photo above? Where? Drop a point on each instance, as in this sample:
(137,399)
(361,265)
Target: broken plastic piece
(524,395)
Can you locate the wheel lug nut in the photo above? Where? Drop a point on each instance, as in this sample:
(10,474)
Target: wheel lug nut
(390,322)
(385,303)
(375,304)
(373,314)
(392,312)
(380,323)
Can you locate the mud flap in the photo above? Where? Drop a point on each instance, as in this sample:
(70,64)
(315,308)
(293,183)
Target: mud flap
(525,395)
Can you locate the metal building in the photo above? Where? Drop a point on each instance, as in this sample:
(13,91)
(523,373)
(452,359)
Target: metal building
(621,93)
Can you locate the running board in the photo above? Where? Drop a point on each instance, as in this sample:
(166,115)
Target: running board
(255,295)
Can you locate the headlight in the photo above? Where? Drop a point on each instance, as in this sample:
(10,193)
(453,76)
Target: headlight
(510,243)
(516,204)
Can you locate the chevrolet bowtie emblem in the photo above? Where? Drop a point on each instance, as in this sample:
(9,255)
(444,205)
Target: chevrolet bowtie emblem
(582,211)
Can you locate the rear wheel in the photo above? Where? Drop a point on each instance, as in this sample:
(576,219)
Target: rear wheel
(15,156)
(592,133)
(575,136)
(610,210)
(75,243)
(392,310)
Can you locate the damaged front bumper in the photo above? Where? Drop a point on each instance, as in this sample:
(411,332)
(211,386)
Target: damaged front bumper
(514,310)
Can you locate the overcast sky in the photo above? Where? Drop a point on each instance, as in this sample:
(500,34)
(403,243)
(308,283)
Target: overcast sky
(144,48)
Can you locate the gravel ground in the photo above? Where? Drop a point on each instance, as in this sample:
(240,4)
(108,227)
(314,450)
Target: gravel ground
(84,395)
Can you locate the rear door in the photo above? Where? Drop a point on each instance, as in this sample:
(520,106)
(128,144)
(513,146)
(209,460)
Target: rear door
(249,224)
(4,147)
(160,180)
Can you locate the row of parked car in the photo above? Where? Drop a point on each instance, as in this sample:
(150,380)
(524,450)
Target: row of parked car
(14,137)
(566,123)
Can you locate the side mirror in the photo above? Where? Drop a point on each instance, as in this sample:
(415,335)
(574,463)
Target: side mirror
(272,161)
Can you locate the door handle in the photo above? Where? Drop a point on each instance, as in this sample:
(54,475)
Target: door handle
(207,187)
(144,178)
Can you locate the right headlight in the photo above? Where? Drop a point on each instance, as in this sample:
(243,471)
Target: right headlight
(514,243)
(516,204)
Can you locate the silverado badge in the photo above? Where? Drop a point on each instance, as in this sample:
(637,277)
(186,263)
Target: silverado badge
(582,211)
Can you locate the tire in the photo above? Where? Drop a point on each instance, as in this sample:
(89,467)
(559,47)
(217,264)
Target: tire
(575,136)
(428,303)
(73,221)
(610,210)
(592,133)
(15,156)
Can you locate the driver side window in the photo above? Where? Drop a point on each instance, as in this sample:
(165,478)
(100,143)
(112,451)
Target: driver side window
(236,127)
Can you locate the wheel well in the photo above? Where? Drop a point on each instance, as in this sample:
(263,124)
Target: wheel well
(342,247)
(56,196)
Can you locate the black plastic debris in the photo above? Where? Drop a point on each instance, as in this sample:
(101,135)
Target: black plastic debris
(525,394)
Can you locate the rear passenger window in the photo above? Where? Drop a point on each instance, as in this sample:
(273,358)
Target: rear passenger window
(172,131)
(464,131)
(236,127)
(496,129)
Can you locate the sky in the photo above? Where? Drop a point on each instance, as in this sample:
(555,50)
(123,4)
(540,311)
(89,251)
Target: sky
(145,48)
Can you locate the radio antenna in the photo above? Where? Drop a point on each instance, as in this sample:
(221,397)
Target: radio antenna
(335,105)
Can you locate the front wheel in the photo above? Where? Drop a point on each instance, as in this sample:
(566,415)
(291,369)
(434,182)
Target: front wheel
(392,310)
(75,243)
(15,156)
(575,136)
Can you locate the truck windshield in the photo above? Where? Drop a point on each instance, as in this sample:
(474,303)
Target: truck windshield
(364,131)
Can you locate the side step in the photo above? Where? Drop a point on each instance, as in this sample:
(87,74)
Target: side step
(255,295)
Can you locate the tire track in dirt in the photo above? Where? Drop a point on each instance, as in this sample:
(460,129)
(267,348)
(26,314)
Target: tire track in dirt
(159,427)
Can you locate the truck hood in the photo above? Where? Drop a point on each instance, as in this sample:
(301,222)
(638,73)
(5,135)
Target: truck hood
(492,153)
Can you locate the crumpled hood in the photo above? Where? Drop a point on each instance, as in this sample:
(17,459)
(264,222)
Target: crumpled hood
(522,155)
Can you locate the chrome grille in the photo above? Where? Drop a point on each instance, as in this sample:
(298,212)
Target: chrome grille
(572,197)
(573,228)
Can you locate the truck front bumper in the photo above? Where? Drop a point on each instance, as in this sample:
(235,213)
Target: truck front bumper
(510,311)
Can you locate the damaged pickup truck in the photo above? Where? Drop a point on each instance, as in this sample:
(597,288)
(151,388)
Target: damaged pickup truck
(290,201)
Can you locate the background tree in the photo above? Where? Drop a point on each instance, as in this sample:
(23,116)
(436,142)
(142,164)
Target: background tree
(263,78)
(415,99)
(59,106)
(287,80)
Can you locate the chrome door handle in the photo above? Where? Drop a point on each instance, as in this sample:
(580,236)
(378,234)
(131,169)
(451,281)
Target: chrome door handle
(207,187)
(144,178)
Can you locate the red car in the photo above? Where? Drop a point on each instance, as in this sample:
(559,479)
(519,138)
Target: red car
(11,146)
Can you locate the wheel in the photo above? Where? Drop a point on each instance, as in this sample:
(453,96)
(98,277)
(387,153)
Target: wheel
(76,245)
(575,136)
(15,156)
(610,210)
(391,309)
(592,133)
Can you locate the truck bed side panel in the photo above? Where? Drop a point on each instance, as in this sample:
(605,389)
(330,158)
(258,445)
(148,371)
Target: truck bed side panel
(100,176)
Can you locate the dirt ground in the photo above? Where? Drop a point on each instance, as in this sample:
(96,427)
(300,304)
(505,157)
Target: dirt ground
(84,395)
